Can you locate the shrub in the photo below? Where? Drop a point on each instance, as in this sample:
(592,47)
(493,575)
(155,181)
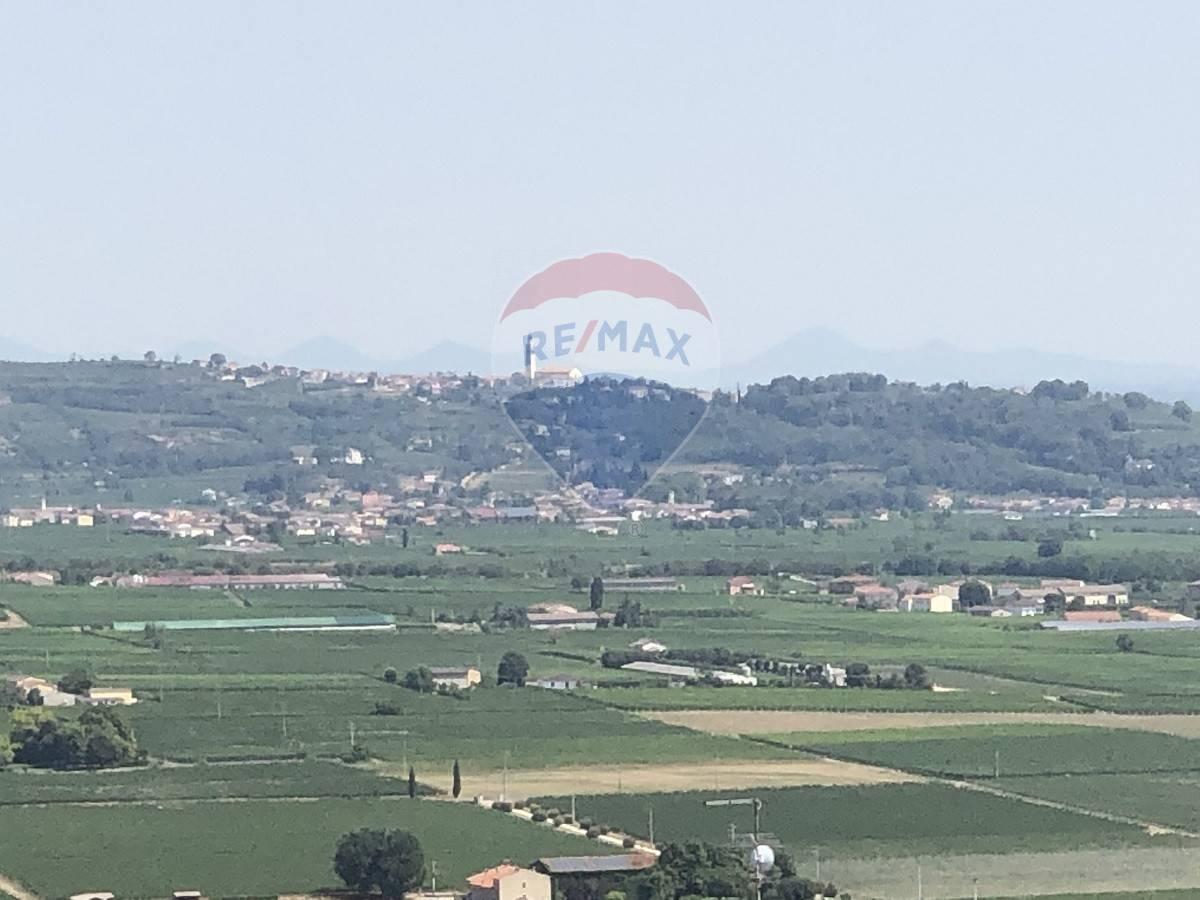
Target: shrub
(519,804)
(628,843)
(586,822)
(502,805)
(553,812)
(568,819)
(556,821)
(539,816)
(593,832)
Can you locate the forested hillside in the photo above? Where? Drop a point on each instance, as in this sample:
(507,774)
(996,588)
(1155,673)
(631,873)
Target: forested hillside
(888,438)
(118,430)
(114,431)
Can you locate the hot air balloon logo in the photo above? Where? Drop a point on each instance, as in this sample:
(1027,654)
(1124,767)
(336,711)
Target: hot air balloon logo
(613,325)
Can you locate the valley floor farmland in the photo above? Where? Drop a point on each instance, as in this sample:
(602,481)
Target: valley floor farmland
(250,848)
(884,820)
(239,726)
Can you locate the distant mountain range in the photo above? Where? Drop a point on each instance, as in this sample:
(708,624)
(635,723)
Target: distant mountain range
(812,352)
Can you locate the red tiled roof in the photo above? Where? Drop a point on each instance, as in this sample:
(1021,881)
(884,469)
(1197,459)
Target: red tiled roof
(489,877)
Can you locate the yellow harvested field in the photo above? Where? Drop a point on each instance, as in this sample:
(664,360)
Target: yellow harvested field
(782,721)
(524,783)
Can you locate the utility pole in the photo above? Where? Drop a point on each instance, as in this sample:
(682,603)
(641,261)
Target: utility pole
(652,825)
(743,801)
(920,889)
(433,875)
(351,734)
(573,816)
(817,853)
(975,888)
(996,767)
(504,789)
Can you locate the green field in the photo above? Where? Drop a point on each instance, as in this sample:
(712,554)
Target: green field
(430,733)
(254,848)
(978,751)
(862,822)
(1167,798)
(259,719)
(301,778)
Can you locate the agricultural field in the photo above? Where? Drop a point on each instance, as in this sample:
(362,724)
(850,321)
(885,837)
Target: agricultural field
(1168,798)
(253,726)
(158,783)
(984,751)
(485,731)
(253,848)
(887,820)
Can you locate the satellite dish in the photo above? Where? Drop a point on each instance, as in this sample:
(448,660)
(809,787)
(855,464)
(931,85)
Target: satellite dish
(762,858)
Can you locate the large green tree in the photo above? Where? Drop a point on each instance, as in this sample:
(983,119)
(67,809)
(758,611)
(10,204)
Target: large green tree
(596,594)
(389,861)
(513,669)
(77,681)
(973,593)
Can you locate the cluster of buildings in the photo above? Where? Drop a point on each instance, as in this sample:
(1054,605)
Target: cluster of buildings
(1005,600)
(465,677)
(1015,507)
(552,876)
(40,692)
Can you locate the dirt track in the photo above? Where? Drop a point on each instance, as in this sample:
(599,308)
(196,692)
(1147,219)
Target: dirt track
(778,722)
(16,890)
(650,779)
(12,622)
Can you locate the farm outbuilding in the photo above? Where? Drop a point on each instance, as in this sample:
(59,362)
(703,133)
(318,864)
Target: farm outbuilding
(363,622)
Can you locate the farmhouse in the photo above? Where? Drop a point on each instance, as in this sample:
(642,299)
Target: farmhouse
(109,697)
(926,602)
(741,584)
(460,677)
(508,882)
(556,682)
(49,693)
(1097,595)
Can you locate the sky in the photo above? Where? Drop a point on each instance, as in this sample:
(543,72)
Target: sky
(1020,174)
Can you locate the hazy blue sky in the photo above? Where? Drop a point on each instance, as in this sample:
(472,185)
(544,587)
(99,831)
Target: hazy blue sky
(262,173)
